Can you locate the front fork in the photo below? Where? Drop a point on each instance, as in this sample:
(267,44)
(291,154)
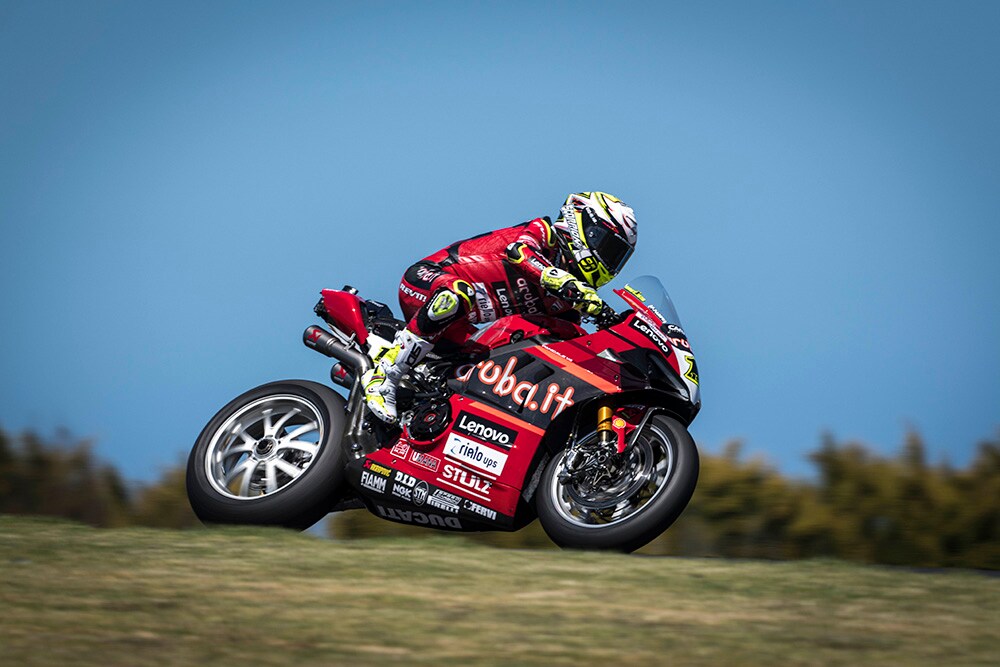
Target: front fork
(614,428)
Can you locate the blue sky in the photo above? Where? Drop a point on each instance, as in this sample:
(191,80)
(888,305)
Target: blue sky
(817,184)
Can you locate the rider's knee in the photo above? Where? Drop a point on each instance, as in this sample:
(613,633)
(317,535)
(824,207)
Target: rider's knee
(446,305)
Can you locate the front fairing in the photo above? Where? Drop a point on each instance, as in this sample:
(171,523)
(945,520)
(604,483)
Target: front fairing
(656,319)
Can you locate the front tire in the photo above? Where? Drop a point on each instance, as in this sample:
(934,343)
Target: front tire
(272,457)
(656,480)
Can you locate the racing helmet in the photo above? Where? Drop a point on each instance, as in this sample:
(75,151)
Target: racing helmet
(596,233)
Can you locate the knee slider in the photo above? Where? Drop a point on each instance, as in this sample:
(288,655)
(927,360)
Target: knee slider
(443,305)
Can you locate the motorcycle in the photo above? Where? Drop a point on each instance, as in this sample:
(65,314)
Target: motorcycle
(533,417)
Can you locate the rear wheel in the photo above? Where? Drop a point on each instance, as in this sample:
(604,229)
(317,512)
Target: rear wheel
(626,502)
(272,456)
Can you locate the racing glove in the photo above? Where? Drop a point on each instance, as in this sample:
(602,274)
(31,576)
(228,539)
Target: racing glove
(562,283)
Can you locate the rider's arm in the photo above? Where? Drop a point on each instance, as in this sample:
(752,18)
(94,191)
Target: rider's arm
(527,253)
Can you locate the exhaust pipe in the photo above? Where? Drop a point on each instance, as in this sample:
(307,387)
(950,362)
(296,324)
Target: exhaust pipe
(323,342)
(340,375)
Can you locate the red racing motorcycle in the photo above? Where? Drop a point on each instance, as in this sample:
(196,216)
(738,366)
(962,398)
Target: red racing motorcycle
(534,417)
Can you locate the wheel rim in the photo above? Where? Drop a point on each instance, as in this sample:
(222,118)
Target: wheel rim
(264,447)
(643,473)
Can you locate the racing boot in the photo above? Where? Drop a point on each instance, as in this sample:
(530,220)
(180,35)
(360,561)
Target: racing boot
(380,383)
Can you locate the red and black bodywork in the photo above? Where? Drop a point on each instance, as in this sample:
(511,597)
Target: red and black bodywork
(470,459)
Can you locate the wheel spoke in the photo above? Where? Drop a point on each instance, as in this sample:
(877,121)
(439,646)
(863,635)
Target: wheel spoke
(305,428)
(620,510)
(247,477)
(247,438)
(287,468)
(235,450)
(301,445)
(271,479)
(268,429)
(238,470)
(281,422)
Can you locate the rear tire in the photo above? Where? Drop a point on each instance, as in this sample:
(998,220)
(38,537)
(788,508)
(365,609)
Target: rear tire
(271,457)
(655,487)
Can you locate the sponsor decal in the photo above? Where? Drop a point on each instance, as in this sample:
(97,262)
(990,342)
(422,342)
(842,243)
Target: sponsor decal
(485,430)
(652,334)
(671,332)
(577,244)
(432,463)
(692,371)
(483,303)
(406,480)
(475,454)
(648,320)
(530,301)
(373,482)
(537,263)
(681,343)
(634,292)
(557,353)
(443,500)
(419,518)
(503,298)
(377,468)
(677,336)
(459,478)
(420,492)
(403,492)
(653,310)
(426,274)
(476,508)
(406,289)
(505,383)
(400,449)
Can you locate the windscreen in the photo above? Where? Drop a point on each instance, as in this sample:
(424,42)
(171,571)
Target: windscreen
(653,294)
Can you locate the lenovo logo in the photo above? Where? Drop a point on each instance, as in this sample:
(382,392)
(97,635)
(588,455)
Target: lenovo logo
(485,430)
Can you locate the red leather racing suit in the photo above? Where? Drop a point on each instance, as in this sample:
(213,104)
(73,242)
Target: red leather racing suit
(490,276)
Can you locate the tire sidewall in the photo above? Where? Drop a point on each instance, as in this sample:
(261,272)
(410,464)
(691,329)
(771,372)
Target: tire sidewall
(644,526)
(304,501)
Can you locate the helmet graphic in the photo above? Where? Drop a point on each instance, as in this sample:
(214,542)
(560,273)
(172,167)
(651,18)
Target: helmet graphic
(596,233)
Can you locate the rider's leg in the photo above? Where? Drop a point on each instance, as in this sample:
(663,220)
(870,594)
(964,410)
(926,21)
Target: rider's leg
(407,350)
(450,302)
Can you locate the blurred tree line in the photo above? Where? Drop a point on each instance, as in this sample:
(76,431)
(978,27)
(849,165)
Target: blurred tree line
(861,507)
(61,477)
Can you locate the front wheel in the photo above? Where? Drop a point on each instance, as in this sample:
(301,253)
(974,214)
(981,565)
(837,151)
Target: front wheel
(272,457)
(627,503)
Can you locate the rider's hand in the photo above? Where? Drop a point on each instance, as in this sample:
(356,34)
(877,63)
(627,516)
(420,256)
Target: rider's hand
(591,303)
(563,284)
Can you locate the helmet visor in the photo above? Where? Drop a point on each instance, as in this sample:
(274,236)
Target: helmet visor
(611,250)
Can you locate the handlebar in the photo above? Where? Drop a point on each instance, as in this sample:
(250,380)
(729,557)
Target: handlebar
(606,318)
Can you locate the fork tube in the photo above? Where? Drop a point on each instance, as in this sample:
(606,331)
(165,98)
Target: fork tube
(604,429)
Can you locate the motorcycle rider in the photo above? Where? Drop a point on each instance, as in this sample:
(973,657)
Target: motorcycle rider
(536,267)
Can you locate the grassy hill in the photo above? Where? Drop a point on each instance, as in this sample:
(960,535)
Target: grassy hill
(76,595)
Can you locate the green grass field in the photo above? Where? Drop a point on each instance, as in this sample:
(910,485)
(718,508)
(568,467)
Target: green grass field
(72,595)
